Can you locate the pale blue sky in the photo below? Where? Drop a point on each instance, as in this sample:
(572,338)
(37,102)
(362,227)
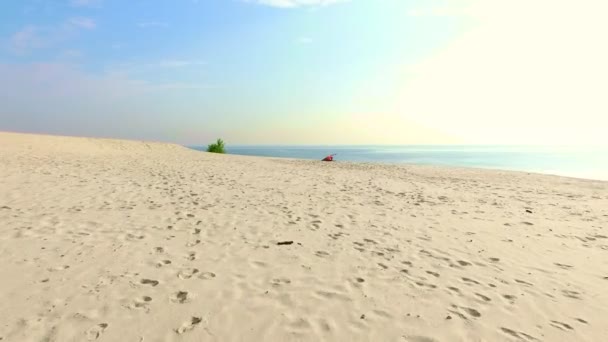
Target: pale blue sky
(254,71)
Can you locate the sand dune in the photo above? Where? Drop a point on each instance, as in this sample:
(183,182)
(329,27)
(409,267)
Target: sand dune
(109,240)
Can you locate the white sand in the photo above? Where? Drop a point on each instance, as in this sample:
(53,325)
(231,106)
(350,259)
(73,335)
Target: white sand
(114,240)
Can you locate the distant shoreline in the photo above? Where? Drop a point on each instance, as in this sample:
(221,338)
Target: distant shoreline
(565,161)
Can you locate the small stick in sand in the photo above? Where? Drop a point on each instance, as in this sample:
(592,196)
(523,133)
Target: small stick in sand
(284,243)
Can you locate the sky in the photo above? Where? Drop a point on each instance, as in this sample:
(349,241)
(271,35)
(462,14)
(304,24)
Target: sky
(307,71)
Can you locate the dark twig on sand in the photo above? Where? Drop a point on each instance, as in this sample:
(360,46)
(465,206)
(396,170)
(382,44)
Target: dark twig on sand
(284,243)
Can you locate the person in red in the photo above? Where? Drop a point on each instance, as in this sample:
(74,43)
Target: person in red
(329,158)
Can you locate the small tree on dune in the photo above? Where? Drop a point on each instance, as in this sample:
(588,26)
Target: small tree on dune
(216,147)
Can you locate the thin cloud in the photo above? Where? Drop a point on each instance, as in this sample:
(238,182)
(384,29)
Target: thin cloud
(296,3)
(33,37)
(26,38)
(85,23)
(140,68)
(71,54)
(178,63)
(85,3)
(150,24)
(55,80)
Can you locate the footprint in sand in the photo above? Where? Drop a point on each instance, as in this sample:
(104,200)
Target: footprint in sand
(434,274)
(523,282)
(471,312)
(455,289)
(180,297)
(280,281)
(383,266)
(333,295)
(141,303)
(321,254)
(335,236)
(564,266)
(149,282)
(206,275)
(423,284)
(470,281)
(162,263)
(58,268)
(193,243)
(96,331)
(191,256)
(509,297)
(189,325)
(562,326)
(521,336)
(132,237)
(484,298)
(187,273)
(571,294)
(146,299)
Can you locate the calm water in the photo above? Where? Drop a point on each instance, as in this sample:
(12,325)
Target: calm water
(583,162)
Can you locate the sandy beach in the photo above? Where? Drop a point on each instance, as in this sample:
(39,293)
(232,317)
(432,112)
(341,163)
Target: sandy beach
(111,240)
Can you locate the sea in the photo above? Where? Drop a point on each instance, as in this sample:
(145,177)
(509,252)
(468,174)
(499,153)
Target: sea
(590,162)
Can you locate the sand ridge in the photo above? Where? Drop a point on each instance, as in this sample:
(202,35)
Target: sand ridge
(110,240)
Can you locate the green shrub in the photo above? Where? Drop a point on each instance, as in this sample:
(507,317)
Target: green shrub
(216,147)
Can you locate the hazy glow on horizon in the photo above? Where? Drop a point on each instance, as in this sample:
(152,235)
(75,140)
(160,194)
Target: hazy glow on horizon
(308,71)
(529,72)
